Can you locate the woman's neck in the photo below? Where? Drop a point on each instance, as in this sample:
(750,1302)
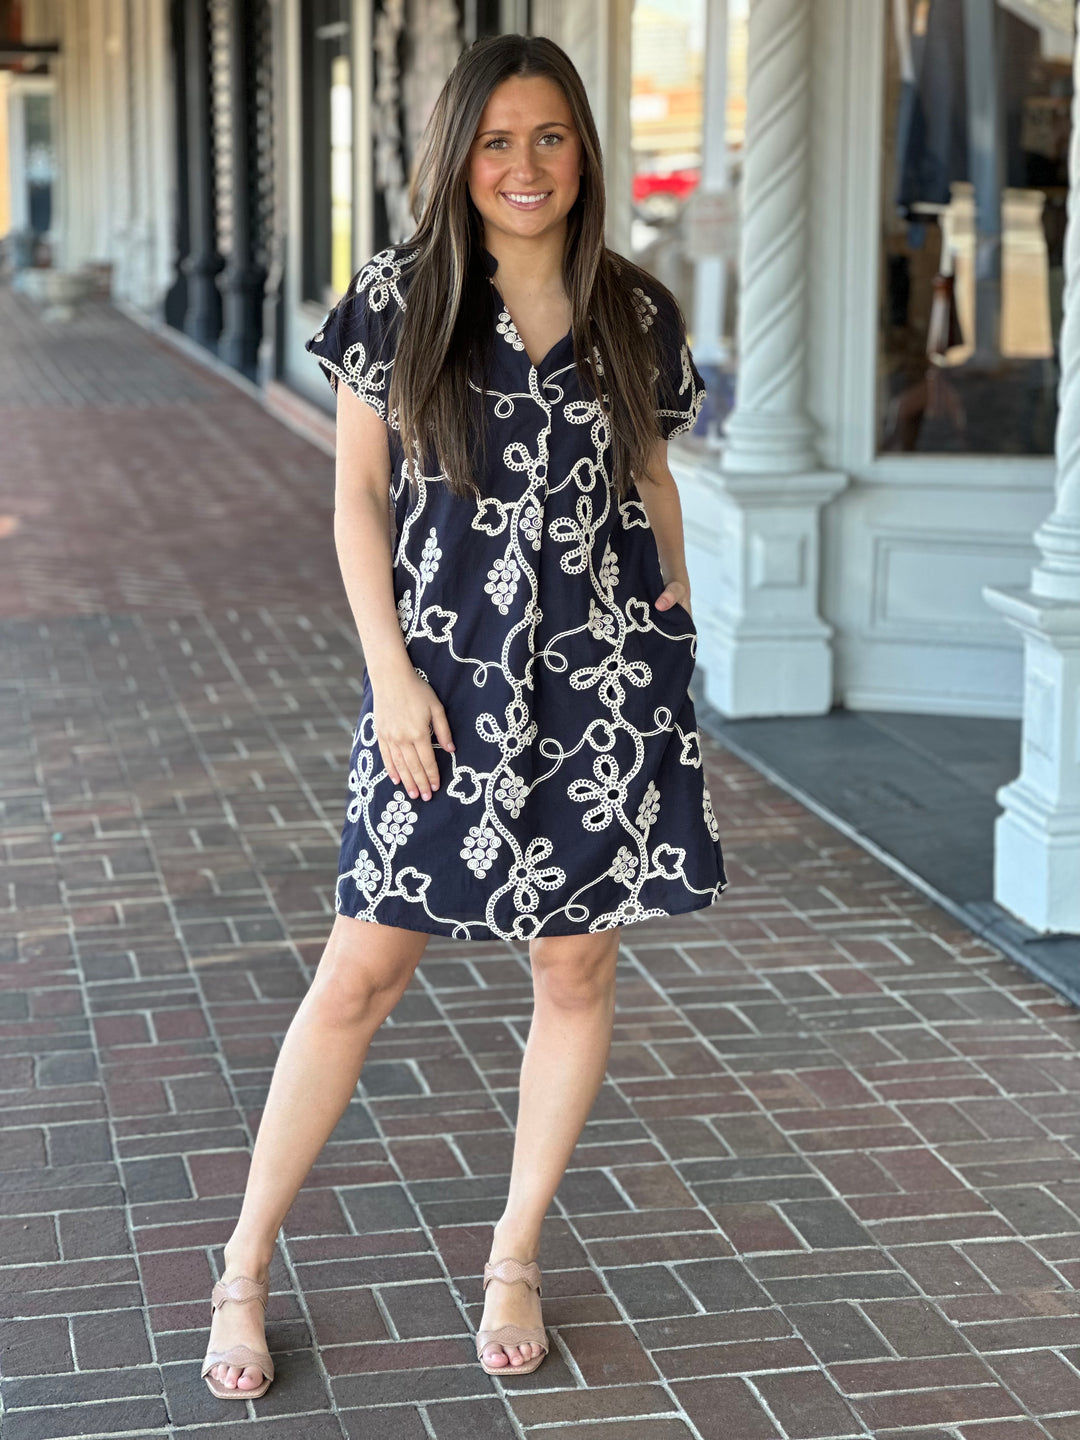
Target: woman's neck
(528,266)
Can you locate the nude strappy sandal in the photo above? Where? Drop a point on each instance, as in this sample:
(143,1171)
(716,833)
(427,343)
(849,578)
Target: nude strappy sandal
(511,1271)
(241,1290)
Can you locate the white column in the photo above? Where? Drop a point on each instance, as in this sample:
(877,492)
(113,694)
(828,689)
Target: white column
(764,649)
(98,134)
(1037,857)
(710,272)
(117,51)
(161,155)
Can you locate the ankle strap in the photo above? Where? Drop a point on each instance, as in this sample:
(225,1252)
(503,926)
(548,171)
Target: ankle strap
(241,1290)
(510,1271)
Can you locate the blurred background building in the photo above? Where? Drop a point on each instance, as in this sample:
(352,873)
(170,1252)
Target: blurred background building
(860,203)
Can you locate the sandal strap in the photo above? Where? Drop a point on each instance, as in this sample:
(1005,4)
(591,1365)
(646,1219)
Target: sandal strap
(512,1335)
(240,1356)
(241,1290)
(510,1271)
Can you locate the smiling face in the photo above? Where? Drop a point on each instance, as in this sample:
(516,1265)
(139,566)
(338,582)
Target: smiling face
(525,161)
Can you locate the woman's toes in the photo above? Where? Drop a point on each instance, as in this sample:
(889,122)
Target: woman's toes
(496,1357)
(250,1379)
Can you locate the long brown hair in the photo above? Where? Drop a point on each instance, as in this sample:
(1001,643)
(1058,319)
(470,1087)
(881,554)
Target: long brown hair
(449,291)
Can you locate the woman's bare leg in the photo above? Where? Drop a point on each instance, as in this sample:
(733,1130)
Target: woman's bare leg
(563,1066)
(362,974)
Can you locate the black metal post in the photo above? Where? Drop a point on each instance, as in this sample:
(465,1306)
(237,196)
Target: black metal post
(176,295)
(202,319)
(244,278)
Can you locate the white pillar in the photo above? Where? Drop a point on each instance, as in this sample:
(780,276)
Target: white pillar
(1037,857)
(764,648)
(161,181)
(710,272)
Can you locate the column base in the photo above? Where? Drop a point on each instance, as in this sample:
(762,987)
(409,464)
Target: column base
(1037,861)
(749,675)
(763,647)
(1037,851)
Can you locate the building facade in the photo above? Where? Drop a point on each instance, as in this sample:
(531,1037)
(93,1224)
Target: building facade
(873,260)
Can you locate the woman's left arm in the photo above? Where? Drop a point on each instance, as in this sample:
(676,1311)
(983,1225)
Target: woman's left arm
(660,497)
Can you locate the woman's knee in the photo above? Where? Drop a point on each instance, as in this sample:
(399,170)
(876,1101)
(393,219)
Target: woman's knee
(575,972)
(364,969)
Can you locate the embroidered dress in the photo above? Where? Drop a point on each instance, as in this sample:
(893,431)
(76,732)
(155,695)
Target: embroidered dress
(575,799)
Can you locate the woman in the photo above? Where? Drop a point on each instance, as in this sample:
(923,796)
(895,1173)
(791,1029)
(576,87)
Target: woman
(532,615)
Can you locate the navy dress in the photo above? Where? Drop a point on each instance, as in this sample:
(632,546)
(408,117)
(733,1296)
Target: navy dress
(575,799)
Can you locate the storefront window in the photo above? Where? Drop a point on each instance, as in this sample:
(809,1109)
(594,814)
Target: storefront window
(40,161)
(688,82)
(327,172)
(975,181)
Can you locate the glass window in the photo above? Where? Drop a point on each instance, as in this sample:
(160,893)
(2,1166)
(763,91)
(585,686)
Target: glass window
(40,161)
(684,226)
(327,128)
(975,180)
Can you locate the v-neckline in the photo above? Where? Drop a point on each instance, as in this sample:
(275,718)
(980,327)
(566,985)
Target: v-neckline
(490,266)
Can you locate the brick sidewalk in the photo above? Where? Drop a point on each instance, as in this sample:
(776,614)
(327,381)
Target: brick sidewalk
(830,1188)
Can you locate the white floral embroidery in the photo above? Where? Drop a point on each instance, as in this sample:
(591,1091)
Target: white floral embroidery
(645,306)
(361,783)
(530,874)
(430,556)
(375,285)
(710,818)
(606,794)
(510,792)
(532,520)
(624,866)
(602,623)
(508,330)
(502,582)
(480,848)
(366,873)
(675,422)
(690,754)
(649,809)
(397,819)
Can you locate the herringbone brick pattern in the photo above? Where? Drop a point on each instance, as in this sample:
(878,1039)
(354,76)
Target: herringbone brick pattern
(830,1188)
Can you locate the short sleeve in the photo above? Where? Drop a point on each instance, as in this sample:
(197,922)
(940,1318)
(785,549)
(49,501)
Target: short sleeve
(680,390)
(355,342)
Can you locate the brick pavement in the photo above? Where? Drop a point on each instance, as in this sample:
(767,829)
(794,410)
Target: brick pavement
(830,1188)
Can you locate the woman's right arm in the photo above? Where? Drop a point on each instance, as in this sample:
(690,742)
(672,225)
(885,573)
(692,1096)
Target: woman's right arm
(405,708)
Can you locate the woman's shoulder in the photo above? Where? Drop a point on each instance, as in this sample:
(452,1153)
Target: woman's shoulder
(373,302)
(382,282)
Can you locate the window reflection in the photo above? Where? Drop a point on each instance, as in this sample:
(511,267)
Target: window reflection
(976,139)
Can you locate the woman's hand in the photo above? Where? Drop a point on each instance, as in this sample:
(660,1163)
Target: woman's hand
(405,710)
(675,592)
